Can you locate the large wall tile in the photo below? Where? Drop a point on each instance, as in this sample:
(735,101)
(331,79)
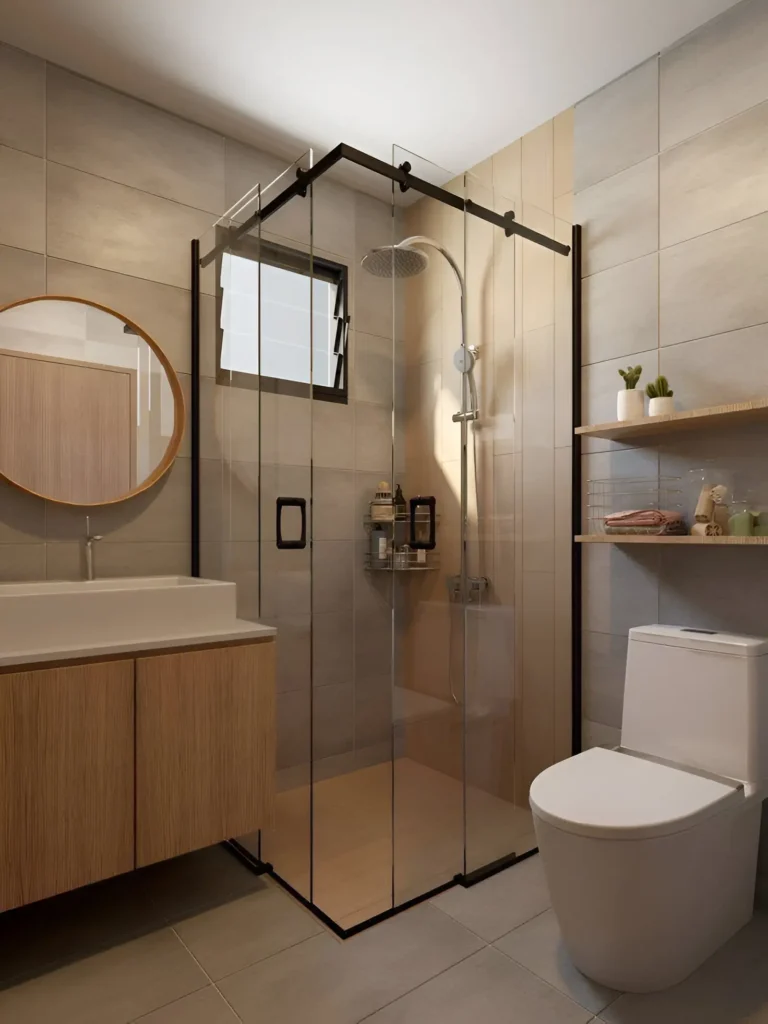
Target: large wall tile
(538,266)
(620,217)
(111,226)
(333,435)
(538,483)
(508,171)
(373,437)
(595,734)
(22,562)
(162,311)
(333,576)
(538,672)
(115,136)
(604,658)
(617,126)
(715,179)
(714,284)
(117,559)
(22,274)
(333,646)
(22,200)
(333,504)
(619,590)
(22,100)
(563,126)
(333,720)
(22,516)
(372,370)
(717,72)
(159,514)
(538,167)
(713,593)
(621,310)
(719,369)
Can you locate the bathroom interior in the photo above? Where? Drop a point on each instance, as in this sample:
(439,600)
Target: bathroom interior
(351,664)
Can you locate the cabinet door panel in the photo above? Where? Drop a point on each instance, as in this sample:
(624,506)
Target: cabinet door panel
(205,748)
(66,779)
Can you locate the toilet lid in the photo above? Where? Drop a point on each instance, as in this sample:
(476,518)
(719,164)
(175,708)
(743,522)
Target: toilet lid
(612,795)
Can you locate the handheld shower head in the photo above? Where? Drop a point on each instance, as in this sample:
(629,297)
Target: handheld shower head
(395,261)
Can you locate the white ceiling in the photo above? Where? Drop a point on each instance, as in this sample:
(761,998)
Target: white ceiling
(452,80)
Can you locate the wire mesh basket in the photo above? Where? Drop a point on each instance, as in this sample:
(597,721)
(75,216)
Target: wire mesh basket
(636,505)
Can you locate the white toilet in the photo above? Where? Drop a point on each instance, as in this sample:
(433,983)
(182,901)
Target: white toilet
(650,849)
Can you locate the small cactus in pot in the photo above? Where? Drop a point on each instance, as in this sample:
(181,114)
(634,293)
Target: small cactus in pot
(630,403)
(661,401)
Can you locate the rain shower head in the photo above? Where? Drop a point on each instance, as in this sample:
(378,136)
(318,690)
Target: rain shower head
(395,261)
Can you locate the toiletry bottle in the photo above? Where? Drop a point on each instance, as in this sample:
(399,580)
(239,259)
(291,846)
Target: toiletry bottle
(401,519)
(382,507)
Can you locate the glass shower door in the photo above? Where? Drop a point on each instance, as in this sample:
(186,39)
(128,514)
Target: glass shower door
(428,681)
(272,407)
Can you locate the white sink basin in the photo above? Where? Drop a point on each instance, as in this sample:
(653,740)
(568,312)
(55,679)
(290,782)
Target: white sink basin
(61,615)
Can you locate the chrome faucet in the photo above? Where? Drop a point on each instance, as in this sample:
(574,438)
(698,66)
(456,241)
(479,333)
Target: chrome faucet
(90,540)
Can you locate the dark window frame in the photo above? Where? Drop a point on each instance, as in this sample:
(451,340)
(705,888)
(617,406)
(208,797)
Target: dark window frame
(309,265)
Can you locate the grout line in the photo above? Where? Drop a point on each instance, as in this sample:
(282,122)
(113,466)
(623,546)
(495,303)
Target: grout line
(421,984)
(271,956)
(135,188)
(207,975)
(176,1002)
(560,991)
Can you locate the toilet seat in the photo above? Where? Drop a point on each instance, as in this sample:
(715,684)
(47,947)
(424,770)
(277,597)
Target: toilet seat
(608,794)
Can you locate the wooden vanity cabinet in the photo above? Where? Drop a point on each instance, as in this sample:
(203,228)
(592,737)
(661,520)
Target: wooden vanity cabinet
(110,765)
(66,778)
(205,748)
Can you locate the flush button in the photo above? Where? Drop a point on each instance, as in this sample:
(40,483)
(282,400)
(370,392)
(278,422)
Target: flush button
(706,632)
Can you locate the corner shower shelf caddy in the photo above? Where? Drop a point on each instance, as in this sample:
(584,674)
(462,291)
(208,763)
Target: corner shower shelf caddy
(402,561)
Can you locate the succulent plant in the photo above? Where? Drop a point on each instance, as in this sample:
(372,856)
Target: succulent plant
(658,388)
(631,376)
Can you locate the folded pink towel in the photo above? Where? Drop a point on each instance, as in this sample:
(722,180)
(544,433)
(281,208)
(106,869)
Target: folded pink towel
(643,517)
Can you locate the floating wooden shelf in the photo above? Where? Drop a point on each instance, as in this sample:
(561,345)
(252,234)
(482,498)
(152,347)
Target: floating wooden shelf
(654,538)
(678,422)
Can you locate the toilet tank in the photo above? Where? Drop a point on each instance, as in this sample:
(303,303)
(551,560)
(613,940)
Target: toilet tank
(699,698)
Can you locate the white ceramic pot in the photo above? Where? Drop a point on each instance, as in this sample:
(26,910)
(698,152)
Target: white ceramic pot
(661,406)
(630,404)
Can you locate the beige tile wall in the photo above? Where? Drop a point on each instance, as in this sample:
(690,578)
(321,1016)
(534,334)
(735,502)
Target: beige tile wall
(100,195)
(670,166)
(518,680)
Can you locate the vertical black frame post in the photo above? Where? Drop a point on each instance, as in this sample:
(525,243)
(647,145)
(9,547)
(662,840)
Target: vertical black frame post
(194,411)
(576,550)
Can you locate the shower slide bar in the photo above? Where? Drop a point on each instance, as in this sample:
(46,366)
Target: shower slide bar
(402,175)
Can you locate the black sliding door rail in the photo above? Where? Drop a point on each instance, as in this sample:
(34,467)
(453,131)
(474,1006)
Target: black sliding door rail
(402,175)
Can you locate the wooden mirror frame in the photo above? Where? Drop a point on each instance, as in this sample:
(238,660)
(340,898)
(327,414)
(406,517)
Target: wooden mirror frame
(179,413)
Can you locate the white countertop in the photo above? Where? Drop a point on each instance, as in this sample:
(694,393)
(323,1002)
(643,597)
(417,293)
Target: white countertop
(238,630)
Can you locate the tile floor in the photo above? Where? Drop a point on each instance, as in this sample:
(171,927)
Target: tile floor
(363,817)
(201,940)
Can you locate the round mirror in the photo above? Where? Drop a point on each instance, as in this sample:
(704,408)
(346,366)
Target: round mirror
(91,411)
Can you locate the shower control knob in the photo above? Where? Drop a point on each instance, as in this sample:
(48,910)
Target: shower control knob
(464,359)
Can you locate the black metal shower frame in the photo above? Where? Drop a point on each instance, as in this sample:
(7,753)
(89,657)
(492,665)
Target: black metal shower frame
(511,226)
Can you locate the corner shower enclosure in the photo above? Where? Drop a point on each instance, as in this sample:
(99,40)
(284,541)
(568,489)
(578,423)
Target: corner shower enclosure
(342,340)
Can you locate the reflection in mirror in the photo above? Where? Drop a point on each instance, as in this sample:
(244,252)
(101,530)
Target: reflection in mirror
(91,411)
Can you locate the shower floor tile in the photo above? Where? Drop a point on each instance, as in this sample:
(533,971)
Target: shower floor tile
(367,820)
